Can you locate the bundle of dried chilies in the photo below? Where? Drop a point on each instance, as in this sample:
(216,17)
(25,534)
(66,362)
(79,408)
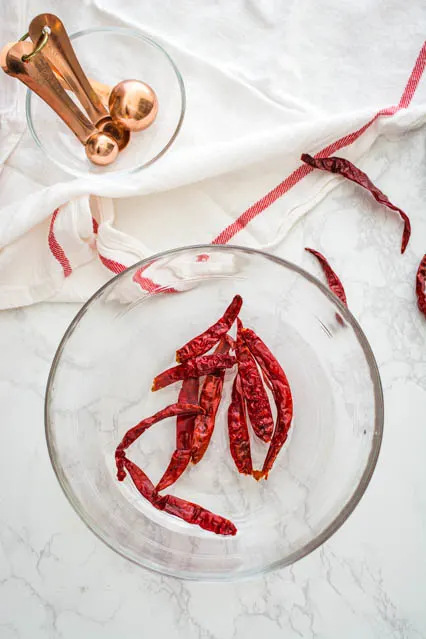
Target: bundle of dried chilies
(197,407)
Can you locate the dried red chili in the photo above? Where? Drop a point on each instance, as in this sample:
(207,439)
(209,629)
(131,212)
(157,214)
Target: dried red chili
(195,514)
(210,396)
(142,483)
(239,440)
(177,465)
(210,337)
(197,367)
(348,170)
(254,393)
(282,396)
(421,285)
(141,427)
(184,435)
(186,510)
(334,282)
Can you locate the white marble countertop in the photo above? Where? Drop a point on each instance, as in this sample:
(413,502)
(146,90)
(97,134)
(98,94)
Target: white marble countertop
(57,580)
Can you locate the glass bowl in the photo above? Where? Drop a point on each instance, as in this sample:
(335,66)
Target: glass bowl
(99,386)
(110,55)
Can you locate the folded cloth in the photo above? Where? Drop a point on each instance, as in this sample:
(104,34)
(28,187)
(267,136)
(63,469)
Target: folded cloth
(263,87)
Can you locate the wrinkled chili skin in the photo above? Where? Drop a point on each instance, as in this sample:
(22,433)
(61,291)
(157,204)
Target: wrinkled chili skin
(333,280)
(210,396)
(210,337)
(181,457)
(188,394)
(421,286)
(257,402)
(351,172)
(195,514)
(141,427)
(186,510)
(177,465)
(143,484)
(282,396)
(197,367)
(239,440)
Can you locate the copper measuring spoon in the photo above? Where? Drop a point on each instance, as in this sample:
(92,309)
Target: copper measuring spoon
(102,90)
(34,71)
(60,54)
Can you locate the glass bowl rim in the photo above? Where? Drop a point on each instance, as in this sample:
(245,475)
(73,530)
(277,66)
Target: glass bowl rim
(123,172)
(344,511)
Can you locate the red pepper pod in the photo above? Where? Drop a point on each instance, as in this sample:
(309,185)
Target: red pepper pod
(143,484)
(257,402)
(349,171)
(141,427)
(210,337)
(177,465)
(195,514)
(282,396)
(197,367)
(210,396)
(421,286)
(186,510)
(184,435)
(333,281)
(239,440)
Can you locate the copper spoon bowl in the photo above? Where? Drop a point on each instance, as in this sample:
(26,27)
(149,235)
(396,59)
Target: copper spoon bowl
(134,104)
(36,73)
(139,57)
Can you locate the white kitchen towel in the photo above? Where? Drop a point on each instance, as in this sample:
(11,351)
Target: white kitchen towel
(265,83)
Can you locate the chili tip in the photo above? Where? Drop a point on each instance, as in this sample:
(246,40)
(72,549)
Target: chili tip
(259,474)
(231,529)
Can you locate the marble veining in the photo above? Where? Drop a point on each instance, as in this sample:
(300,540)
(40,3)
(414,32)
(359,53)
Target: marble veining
(57,580)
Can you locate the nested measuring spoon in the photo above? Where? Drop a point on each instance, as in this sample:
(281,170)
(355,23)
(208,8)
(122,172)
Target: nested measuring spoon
(102,90)
(34,71)
(60,54)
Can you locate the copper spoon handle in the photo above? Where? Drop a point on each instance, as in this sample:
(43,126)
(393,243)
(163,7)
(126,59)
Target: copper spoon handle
(39,77)
(103,90)
(60,54)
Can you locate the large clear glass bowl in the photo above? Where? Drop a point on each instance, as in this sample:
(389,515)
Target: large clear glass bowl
(100,382)
(109,55)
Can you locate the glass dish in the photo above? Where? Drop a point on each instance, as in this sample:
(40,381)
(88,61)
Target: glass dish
(99,386)
(110,55)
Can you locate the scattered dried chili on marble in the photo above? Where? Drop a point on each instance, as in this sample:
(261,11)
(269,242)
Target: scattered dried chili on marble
(196,367)
(333,281)
(210,337)
(256,399)
(135,432)
(346,169)
(421,285)
(282,396)
(239,440)
(184,434)
(210,396)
